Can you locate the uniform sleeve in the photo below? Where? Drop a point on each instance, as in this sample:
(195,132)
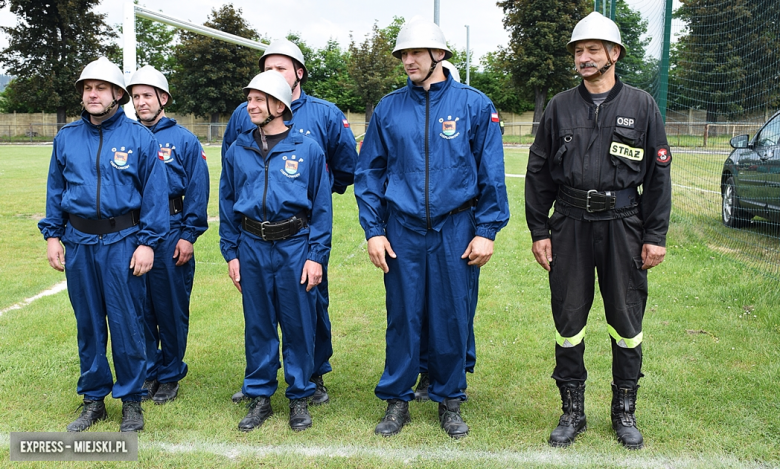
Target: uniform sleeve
(342,152)
(196,197)
(155,216)
(540,189)
(321,221)
(492,212)
(235,127)
(229,220)
(53,226)
(657,186)
(371,180)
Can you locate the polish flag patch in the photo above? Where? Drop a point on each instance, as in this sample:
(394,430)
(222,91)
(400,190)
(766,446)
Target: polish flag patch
(203,154)
(346,123)
(494,117)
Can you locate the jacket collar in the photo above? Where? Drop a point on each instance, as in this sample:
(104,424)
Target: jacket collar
(435,92)
(108,123)
(612,93)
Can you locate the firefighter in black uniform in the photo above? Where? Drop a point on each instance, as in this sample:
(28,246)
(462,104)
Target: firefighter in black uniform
(602,158)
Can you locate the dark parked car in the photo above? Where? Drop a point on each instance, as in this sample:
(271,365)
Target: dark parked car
(750,184)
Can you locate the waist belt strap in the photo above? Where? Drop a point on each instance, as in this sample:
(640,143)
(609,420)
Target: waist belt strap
(464,207)
(105,225)
(275,231)
(598,201)
(176,204)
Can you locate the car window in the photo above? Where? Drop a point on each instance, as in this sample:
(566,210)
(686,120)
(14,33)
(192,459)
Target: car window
(770,134)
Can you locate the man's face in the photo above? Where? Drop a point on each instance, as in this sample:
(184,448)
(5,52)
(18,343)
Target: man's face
(590,56)
(417,62)
(145,101)
(257,108)
(283,65)
(98,95)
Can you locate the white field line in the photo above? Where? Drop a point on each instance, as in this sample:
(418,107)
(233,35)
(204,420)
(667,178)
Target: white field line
(51,291)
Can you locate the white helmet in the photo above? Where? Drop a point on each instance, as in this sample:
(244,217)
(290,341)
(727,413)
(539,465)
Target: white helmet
(148,75)
(421,34)
(452,68)
(102,69)
(273,84)
(289,49)
(597,27)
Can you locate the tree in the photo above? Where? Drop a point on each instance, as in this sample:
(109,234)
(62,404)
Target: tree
(373,68)
(539,31)
(496,81)
(49,46)
(154,44)
(210,75)
(635,69)
(329,77)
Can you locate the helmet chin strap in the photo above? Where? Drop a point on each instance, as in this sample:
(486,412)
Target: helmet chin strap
(297,80)
(265,122)
(434,63)
(601,71)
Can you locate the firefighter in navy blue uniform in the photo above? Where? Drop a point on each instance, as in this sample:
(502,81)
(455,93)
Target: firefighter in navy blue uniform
(597,145)
(169,283)
(275,226)
(106,202)
(430,190)
(327,125)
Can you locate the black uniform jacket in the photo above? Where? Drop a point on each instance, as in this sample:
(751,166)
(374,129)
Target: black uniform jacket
(617,145)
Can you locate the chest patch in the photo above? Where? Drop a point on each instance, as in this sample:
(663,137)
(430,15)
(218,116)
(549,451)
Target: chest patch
(291,166)
(626,122)
(624,151)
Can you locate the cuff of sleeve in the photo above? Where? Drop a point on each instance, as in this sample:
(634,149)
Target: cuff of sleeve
(188,235)
(655,240)
(318,257)
(378,231)
(149,242)
(486,232)
(540,235)
(229,255)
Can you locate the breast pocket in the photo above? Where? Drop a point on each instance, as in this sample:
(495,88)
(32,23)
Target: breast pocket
(627,148)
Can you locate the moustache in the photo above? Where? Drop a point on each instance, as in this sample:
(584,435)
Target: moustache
(588,64)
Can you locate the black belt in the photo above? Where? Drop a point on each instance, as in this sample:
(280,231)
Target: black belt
(176,204)
(598,201)
(464,207)
(105,225)
(277,230)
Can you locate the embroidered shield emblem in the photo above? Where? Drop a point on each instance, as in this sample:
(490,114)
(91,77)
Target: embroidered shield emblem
(291,166)
(120,158)
(448,128)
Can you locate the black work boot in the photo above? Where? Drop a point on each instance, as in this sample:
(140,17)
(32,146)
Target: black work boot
(421,391)
(623,419)
(320,395)
(239,397)
(91,413)
(299,414)
(572,422)
(450,419)
(259,411)
(166,392)
(132,417)
(396,416)
(151,386)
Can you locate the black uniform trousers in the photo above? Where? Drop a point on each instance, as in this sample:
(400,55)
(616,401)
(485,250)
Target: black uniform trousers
(613,248)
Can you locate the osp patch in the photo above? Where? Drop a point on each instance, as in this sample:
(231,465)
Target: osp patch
(167,152)
(119,161)
(291,163)
(449,127)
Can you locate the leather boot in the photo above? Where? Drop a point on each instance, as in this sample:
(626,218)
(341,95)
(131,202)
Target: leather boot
(238,397)
(450,419)
(300,419)
(572,422)
(421,391)
(151,386)
(396,416)
(623,419)
(259,411)
(320,395)
(132,417)
(91,413)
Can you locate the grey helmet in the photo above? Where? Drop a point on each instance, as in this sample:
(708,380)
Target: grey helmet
(452,68)
(104,70)
(289,49)
(421,34)
(272,83)
(597,27)
(148,75)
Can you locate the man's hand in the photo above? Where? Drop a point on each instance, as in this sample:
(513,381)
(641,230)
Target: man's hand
(542,250)
(312,272)
(377,247)
(478,251)
(56,254)
(142,261)
(652,255)
(234,271)
(183,252)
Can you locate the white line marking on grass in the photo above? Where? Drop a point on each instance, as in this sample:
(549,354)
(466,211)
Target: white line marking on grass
(515,175)
(51,291)
(500,458)
(696,189)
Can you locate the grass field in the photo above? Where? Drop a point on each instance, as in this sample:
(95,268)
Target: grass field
(708,398)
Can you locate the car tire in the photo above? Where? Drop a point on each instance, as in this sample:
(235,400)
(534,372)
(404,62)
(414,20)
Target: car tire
(732,215)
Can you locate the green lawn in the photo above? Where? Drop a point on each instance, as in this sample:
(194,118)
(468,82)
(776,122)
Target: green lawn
(708,398)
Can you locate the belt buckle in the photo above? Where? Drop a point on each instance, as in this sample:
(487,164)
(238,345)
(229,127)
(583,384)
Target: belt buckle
(587,200)
(263,224)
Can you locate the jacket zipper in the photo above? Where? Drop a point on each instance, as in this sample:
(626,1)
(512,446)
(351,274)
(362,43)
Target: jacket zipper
(265,186)
(427,175)
(97,168)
